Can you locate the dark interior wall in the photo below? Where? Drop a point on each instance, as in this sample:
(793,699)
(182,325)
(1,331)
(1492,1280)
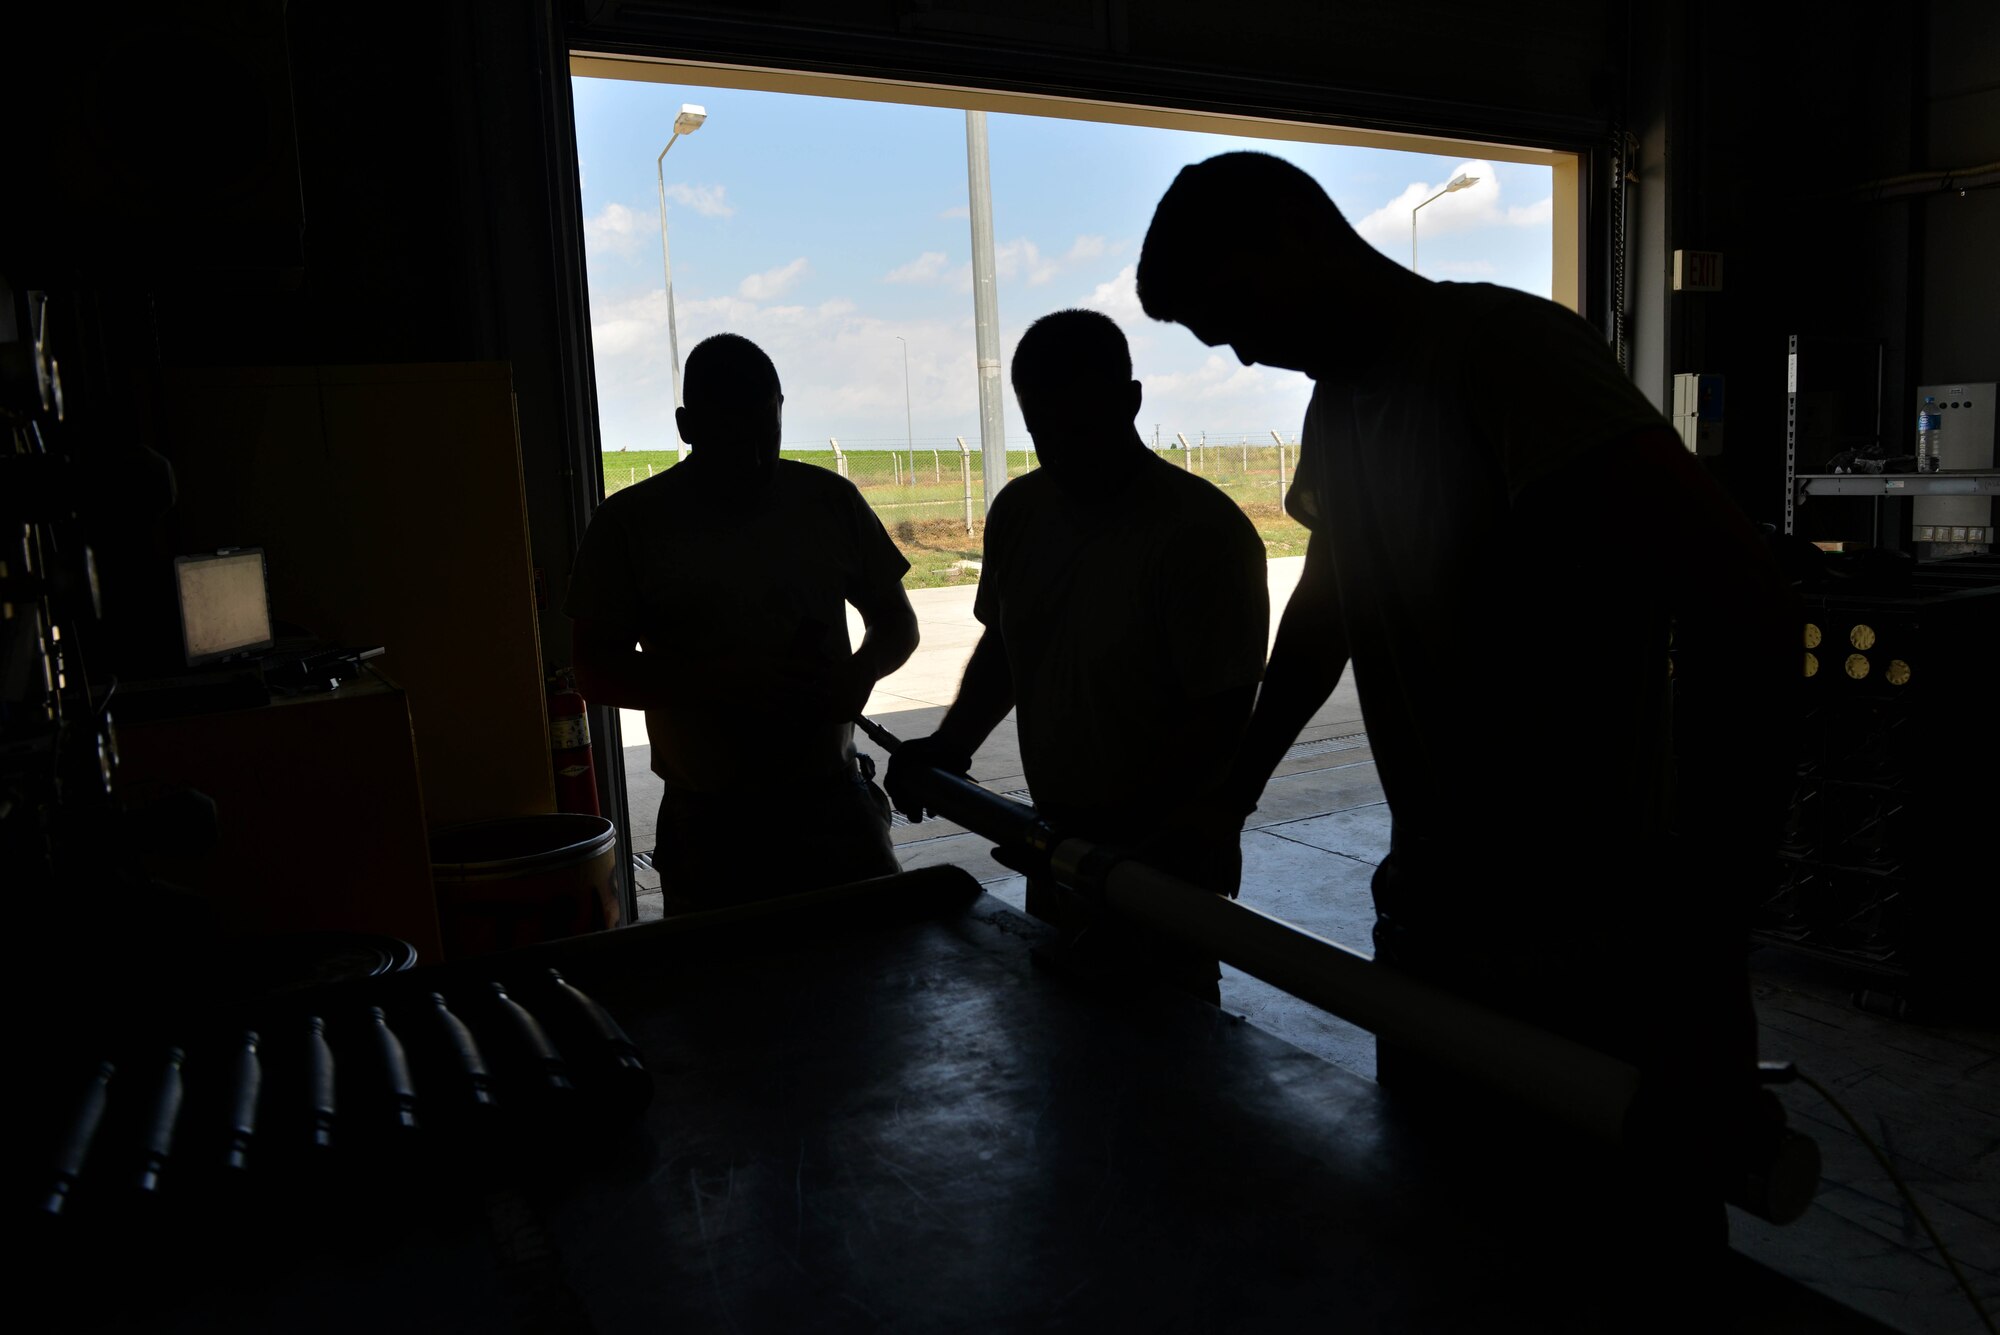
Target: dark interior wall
(1780,160)
(1961,233)
(405,209)
(1655,128)
(1540,71)
(431,231)
(1771,131)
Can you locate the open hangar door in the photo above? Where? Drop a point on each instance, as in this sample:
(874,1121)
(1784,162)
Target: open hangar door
(1094,71)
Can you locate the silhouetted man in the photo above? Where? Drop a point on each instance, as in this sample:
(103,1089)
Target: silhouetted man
(731,570)
(1503,530)
(1126,615)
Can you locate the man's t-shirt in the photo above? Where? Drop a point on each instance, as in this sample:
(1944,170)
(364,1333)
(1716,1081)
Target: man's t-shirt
(1116,614)
(691,572)
(1514,694)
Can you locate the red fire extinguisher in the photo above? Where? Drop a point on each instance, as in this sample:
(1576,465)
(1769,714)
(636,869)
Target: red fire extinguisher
(569,746)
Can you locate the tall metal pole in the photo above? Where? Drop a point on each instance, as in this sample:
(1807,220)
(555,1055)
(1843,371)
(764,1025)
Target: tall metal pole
(909,433)
(666,262)
(985,309)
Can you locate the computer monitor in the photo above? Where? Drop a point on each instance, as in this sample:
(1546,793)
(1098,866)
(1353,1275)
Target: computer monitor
(224,608)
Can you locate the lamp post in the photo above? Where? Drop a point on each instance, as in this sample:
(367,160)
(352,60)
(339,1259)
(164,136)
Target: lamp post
(985,308)
(1458,182)
(909,432)
(687,122)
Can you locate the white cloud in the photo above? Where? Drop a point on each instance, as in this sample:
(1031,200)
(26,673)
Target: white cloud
(957,211)
(1217,377)
(1119,299)
(707,200)
(925,268)
(1227,400)
(619,229)
(1537,214)
(624,230)
(1466,268)
(842,369)
(1021,258)
(1086,248)
(1478,205)
(772,283)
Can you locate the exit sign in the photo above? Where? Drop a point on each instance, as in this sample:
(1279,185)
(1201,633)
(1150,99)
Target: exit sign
(1697,271)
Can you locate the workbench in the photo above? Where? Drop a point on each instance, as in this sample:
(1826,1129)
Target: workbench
(898,1106)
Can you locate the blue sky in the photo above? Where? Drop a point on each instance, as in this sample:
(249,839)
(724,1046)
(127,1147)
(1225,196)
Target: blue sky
(823,228)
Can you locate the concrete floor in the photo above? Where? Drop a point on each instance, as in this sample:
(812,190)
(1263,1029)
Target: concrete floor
(1932,1095)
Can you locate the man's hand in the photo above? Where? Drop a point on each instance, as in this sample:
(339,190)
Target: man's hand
(913,759)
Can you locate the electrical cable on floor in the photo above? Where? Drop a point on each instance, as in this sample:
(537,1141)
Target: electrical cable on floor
(1780,1075)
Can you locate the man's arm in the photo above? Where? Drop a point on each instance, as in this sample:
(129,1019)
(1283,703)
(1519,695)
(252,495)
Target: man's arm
(610,670)
(1306,663)
(886,644)
(984,697)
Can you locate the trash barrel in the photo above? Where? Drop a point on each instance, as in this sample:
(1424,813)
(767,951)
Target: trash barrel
(512,882)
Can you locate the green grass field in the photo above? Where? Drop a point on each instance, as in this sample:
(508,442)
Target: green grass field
(920,498)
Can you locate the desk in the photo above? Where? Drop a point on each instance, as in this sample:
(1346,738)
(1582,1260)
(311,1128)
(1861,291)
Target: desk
(884,1113)
(322,821)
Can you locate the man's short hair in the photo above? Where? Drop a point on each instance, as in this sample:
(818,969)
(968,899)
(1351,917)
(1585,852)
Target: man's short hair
(1211,210)
(1073,348)
(726,370)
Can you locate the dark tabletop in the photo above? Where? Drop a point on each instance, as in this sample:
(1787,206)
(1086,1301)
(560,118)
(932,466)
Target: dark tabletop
(907,1112)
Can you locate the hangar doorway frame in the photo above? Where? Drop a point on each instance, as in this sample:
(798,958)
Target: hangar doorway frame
(1566,166)
(1581,274)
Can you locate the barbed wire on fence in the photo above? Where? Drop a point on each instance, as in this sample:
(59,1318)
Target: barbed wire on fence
(932,499)
(1168,441)
(940,482)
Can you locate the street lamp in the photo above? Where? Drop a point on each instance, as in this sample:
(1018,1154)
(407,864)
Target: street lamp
(689,120)
(1458,182)
(909,433)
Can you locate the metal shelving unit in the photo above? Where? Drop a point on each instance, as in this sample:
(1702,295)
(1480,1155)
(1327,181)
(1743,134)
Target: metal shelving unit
(1959,482)
(1851,426)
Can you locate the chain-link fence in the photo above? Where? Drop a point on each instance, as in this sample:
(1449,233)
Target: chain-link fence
(932,497)
(1255,476)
